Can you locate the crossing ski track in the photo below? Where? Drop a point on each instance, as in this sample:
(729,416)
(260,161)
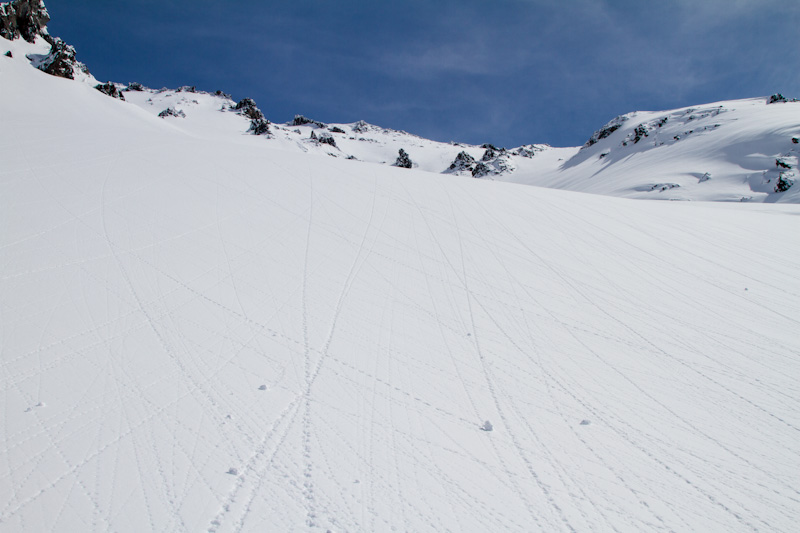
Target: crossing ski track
(210,335)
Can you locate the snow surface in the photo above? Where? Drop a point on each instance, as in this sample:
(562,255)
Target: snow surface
(202,332)
(726,151)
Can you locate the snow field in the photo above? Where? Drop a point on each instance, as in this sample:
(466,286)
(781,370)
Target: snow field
(208,334)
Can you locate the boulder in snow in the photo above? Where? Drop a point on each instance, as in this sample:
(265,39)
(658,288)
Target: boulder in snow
(110,89)
(171,112)
(403,160)
(785,181)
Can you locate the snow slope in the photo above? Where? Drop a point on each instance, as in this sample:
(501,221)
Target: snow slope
(726,151)
(200,332)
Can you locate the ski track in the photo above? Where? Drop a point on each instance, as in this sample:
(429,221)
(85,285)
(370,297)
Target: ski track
(219,336)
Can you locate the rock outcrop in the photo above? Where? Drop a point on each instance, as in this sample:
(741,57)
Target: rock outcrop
(403,160)
(612,126)
(259,125)
(60,61)
(462,163)
(171,112)
(300,120)
(778,98)
(110,89)
(24,18)
(27,19)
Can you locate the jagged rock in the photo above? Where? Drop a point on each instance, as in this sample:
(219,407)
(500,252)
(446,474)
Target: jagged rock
(785,181)
(481,170)
(259,126)
(704,177)
(9,54)
(28,19)
(313,136)
(60,61)
(110,89)
(222,94)
(529,150)
(643,130)
(639,133)
(796,140)
(187,89)
(336,129)
(134,86)
(360,127)
(24,18)
(170,112)
(403,160)
(462,162)
(248,108)
(492,152)
(326,138)
(300,120)
(606,130)
(777,98)
(782,163)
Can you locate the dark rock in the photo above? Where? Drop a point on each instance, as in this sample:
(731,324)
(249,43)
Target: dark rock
(781,163)
(24,18)
(606,130)
(336,129)
(664,186)
(9,54)
(110,89)
(481,170)
(796,140)
(462,162)
(259,126)
(784,182)
(777,98)
(529,150)
(492,152)
(187,89)
(170,112)
(134,86)
(360,127)
(222,94)
(248,108)
(300,120)
(639,133)
(60,61)
(403,160)
(326,138)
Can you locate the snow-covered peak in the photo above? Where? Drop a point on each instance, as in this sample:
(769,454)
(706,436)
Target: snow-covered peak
(722,151)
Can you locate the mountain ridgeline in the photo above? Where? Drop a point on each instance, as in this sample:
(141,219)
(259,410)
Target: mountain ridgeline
(741,150)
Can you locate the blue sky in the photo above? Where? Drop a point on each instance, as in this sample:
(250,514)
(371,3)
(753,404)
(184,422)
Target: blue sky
(509,72)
